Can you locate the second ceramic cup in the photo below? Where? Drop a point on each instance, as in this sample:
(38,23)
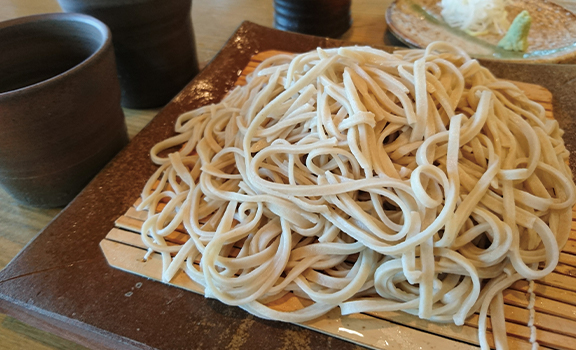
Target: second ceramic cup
(154,46)
(329,18)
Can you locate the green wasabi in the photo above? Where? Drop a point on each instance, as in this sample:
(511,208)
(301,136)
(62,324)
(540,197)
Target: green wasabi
(516,39)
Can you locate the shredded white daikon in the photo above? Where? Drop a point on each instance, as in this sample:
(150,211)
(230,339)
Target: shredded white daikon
(477,17)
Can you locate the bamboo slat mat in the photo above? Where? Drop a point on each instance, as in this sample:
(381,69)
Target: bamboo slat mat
(555,295)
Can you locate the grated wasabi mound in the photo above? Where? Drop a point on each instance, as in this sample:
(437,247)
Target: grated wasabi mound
(516,39)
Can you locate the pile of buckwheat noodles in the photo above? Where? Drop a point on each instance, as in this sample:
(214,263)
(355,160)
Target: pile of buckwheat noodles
(352,177)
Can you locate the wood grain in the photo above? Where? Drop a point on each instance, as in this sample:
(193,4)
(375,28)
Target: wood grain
(214,21)
(15,335)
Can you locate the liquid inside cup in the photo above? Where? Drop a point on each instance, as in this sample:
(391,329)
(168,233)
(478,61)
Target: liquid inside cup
(42,51)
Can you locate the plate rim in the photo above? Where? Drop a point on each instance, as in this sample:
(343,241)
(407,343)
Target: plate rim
(567,58)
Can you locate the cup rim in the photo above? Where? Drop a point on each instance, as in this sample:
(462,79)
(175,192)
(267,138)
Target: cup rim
(60,17)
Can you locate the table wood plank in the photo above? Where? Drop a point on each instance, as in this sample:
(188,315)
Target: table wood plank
(214,21)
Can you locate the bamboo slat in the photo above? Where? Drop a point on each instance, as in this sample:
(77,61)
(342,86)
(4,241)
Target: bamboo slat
(555,303)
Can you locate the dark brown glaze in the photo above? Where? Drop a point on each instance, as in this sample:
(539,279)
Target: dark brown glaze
(61,281)
(154,45)
(60,114)
(330,18)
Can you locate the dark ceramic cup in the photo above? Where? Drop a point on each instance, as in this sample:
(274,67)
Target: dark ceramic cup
(60,114)
(329,18)
(154,45)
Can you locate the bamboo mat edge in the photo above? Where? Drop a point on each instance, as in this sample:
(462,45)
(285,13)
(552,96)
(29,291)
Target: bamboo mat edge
(555,307)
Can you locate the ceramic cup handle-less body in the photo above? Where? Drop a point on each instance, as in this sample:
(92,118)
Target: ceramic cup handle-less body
(154,45)
(60,114)
(329,18)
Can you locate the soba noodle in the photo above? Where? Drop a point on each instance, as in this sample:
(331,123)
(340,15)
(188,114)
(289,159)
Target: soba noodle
(369,181)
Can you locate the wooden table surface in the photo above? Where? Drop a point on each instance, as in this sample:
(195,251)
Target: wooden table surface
(214,21)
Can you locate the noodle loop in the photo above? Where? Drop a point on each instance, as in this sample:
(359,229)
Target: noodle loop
(364,180)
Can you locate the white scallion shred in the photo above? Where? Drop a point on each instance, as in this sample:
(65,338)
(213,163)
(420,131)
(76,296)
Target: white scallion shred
(477,17)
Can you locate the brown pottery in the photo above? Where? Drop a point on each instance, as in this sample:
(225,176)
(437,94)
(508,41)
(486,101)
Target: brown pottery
(328,18)
(154,45)
(60,114)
